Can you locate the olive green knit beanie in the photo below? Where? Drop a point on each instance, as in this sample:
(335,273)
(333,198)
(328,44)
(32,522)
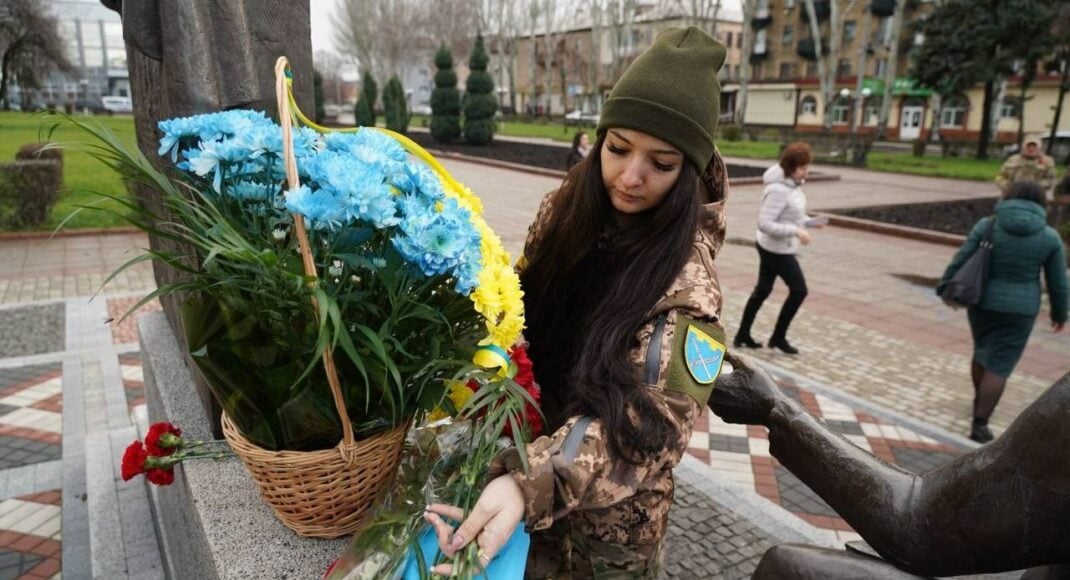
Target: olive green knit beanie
(671,92)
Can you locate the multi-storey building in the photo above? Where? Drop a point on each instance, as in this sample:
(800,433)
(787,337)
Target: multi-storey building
(581,77)
(784,90)
(93,36)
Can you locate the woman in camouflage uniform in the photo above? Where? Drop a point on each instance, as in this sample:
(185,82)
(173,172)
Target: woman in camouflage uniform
(623,310)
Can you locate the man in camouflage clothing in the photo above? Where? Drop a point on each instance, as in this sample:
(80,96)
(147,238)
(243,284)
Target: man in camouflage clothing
(1029,165)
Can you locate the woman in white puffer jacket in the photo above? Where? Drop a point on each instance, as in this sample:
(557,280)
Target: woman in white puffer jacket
(781,229)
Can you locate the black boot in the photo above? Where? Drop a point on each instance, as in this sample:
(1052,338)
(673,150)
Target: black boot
(783,345)
(980,432)
(745,341)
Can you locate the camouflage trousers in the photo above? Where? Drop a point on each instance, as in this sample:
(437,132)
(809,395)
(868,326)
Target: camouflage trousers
(559,553)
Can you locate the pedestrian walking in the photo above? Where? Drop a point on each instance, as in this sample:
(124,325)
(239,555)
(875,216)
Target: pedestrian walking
(623,320)
(1029,165)
(782,228)
(1023,246)
(581,145)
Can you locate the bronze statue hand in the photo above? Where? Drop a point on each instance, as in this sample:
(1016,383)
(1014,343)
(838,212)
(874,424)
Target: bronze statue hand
(744,395)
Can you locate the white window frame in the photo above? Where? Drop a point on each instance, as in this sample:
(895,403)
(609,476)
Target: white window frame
(841,111)
(808,106)
(953,114)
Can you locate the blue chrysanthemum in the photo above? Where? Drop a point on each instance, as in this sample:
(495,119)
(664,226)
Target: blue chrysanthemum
(321,209)
(440,242)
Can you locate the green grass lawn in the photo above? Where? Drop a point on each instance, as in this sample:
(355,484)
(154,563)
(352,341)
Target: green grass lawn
(81,173)
(957,167)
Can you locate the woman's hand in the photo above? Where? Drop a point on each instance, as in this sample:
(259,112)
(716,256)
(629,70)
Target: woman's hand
(494,518)
(1057,326)
(803,235)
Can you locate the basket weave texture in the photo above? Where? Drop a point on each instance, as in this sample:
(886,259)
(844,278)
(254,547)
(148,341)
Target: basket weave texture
(319,494)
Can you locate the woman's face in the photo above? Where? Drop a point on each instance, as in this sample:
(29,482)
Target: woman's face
(800,173)
(584,141)
(638,170)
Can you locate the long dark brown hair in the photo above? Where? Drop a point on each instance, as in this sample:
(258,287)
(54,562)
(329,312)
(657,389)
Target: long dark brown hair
(589,285)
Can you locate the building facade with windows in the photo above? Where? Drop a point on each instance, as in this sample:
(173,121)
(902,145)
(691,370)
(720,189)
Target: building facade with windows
(784,90)
(578,82)
(93,36)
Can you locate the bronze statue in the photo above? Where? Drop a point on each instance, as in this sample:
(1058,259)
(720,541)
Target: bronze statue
(1004,506)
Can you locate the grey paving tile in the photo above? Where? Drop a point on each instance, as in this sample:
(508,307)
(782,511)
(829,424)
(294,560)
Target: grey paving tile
(15,564)
(32,330)
(919,460)
(18,451)
(708,540)
(11,376)
(796,497)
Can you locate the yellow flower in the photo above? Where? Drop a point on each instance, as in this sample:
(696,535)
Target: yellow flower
(459,394)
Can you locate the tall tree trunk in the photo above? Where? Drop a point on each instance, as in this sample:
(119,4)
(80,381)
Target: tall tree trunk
(1064,65)
(893,65)
(533,14)
(858,113)
(986,120)
(748,6)
(1022,96)
(822,76)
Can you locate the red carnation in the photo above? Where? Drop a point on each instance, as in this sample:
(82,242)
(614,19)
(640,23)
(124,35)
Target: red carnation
(134,460)
(162,439)
(525,377)
(160,476)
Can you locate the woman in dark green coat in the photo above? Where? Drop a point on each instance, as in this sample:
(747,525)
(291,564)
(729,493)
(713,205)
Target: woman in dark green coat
(1022,245)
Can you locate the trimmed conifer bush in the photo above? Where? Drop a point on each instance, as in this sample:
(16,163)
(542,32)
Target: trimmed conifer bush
(365,112)
(445,99)
(397,112)
(479,102)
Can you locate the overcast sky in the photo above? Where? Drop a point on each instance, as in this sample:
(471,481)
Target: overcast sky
(323,12)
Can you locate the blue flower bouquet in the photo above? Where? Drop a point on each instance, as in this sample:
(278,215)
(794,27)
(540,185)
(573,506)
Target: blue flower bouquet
(350,256)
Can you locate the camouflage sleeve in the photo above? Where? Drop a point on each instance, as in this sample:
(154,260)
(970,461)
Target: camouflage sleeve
(573,468)
(536,230)
(1006,173)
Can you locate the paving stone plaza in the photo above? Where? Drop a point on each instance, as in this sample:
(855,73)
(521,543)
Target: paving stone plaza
(883,362)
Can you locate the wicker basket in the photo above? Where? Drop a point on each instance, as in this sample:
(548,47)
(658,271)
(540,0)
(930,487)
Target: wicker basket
(325,493)
(320,494)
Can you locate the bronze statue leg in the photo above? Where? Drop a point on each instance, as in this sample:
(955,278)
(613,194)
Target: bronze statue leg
(801,562)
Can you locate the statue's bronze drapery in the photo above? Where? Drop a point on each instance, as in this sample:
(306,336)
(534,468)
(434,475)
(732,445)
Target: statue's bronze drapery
(1004,506)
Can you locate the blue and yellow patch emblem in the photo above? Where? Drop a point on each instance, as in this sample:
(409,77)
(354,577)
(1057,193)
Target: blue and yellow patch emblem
(704,356)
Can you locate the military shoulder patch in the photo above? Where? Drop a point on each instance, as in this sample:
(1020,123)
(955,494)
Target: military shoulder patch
(695,359)
(703,354)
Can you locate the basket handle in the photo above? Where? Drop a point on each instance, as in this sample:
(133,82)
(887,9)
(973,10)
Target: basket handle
(286,120)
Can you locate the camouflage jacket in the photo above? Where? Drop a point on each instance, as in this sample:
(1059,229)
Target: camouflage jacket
(1020,168)
(615,514)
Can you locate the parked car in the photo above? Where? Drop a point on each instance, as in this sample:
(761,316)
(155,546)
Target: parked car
(113,105)
(581,118)
(421,110)
(1060,152)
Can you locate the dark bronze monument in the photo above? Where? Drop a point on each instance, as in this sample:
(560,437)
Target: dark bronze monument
(197,56)
(1001,507)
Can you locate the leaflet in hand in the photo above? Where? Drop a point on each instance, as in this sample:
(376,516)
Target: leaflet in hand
(814,222)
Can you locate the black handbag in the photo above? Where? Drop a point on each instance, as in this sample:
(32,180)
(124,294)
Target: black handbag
(966,286)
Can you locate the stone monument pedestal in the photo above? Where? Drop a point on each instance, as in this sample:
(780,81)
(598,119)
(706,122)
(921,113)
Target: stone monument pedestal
(211,522)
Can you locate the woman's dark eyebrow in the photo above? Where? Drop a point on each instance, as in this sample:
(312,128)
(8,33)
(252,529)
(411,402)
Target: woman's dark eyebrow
(661,151)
